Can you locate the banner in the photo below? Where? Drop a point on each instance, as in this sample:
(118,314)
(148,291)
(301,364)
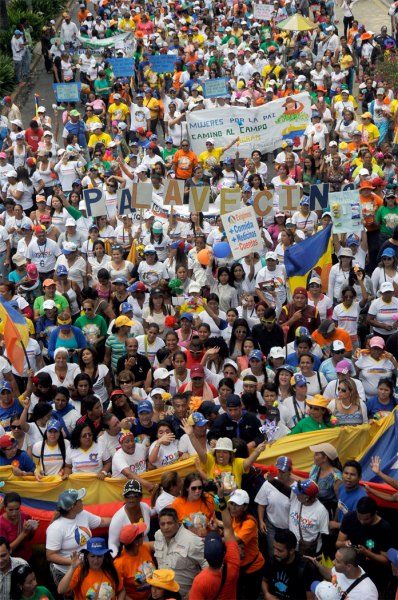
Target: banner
(163,63)
(263,12)
(242,232)
(122,67)
(105,42)
(261,128)
(346,212)
(215,88)
(67,92)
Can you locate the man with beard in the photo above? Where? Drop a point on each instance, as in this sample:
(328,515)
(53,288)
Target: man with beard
(288,576)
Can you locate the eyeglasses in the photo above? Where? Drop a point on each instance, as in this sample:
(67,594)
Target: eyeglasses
(86,435)
(16,427)
(196,351)
(184,145)
(196,487)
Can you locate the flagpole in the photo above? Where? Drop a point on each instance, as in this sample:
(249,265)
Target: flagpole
(25,353)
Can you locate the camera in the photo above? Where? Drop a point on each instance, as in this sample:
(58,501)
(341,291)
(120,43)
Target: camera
(210,487)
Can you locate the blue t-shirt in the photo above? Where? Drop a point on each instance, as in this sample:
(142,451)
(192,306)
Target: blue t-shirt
(329,370)
(293,359)
(373,405)
(21,460)
(348,499)
(7,412)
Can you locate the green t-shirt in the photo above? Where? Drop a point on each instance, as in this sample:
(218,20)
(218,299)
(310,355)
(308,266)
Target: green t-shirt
(92,328)
(387,218)
(41,593)
(60,302)
(309,424)
(100,85)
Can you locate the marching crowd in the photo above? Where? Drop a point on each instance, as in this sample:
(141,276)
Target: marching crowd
(149,344)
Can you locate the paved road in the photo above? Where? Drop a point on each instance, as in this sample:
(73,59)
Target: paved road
(373,13)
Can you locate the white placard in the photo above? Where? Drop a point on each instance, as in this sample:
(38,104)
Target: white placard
(242,232)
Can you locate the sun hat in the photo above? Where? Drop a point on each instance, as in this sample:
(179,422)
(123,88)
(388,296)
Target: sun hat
(69,497)
(283,463)
(239,497)
(305,486)
(224,444)
(327,449)
(132,486)
(376,342)
(19,259)
(319,401)
(164,579)
(130,532)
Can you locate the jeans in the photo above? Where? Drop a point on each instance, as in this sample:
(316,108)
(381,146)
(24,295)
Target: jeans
(18,70)
(3,270)
(26,62)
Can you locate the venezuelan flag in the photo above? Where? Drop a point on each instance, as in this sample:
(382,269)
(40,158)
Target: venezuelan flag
(312,254)
(37,100)
(15,331)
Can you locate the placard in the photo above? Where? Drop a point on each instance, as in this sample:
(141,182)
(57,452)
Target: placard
(346,212)
(173,193)
(263,12)
(122,67)
(163,63)
(95,202)
(289,197)
(199,198)
(215,88)
(67,92)
(137,196)
(242,232)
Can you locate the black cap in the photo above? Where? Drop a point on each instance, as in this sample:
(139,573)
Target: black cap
(233,401)
(207,407)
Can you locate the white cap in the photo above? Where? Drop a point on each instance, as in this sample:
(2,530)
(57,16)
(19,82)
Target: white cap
(337,345)
(161,373)
(82,205)
(149,248)
(69,246)
(277,352)
(41,109)
(11,173)
(157,391)
(141,169)
(49,304)
(325,590)
(271,256)
(387,286)
(71,222)
(363,172)
(239,497)
(194,288)
(300,234)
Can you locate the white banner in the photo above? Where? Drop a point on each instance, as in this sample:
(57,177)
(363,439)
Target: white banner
(261,128)
(346,212)
(263,12)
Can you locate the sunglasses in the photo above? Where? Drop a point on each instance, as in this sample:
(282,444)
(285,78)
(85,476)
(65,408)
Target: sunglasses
(125,381)
(87,308)
(338,351)
(196,487)
(16,427)
(269,322)
(196,378)
(340,389)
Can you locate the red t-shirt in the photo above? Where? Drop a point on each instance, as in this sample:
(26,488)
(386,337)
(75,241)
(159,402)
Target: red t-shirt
(182,389)
(10,532)
(33,137)
(207,582)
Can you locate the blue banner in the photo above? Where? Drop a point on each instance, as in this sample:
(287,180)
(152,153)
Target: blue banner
(162,63)
(67,92)
(215,88)
(122,67)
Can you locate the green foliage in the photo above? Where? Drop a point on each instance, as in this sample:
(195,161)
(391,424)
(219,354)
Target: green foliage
(7,75)
(5,41)
(387,69)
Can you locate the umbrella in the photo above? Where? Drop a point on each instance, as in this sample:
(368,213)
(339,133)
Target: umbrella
(297,23)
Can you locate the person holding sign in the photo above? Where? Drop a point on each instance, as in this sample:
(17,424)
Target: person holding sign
(212,155)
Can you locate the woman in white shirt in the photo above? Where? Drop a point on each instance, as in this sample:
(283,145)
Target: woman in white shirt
(85,454)
(164,451)
(49,454)
(100,260)
(68,167)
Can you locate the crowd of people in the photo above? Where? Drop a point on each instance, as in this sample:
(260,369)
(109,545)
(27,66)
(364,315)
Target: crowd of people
(146,348)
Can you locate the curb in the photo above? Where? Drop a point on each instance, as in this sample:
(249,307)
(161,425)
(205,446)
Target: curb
(16,93)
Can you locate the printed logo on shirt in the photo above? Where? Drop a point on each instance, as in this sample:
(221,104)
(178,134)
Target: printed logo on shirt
(102,591)
(82,535)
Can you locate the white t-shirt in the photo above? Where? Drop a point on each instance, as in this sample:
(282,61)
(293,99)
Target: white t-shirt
(44,256)
(109,443)
(314,520)
(206,318)
(52,457)
(65,536)
(322,306)
(149,350)
(167,455)
(276,503)
(152,274)
(135,462)
(365,589)
(87,461)
(347,318)
(371,371)
(119,520)
(185,445)
(384,313)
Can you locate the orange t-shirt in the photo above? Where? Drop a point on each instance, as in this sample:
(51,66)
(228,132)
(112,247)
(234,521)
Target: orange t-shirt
(186,509)
(247,532)
(95,583)
(207,582)
(184,162)
(370,206)
(338,334)
(134,570)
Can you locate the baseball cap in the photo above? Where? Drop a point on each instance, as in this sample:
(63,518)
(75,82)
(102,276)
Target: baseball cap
(376,342)
(68,248)
(49,304)
(196,418)
(69,497)
(239,497)
(149,249)
(343,366)
(276,352)
(233,401)
(187,315)
(298,379)
(337,345)
(283,463)
(123,321)
(194,288)
(214,549)
(256,354)
(208,407)
(161,373)
(145,406)
(32,272)
(305,486)
(54,424)
(271,256)
(122,280)
(6,441)
(197,371)
(386,286)
(11,173)
(138,286)
(70,222)
(392,555)
(325,590)
(132,486)
(388,252)
(130,532)
(19,259)
(353,240)
(125,307)
(96,546)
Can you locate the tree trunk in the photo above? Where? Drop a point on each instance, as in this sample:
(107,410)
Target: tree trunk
(3,15)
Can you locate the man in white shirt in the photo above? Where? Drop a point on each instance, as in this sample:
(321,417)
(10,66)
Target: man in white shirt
(69,30)
(139,116)
(243,70)
(18,50)
(308,518)
(43,253)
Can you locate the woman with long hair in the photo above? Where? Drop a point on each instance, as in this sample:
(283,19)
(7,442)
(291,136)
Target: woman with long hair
(285,240)
(166,491)
(86,455)
(24,585)
(16,526)
(99,260)
(157,310)
(49,454)
(121,406)
(118,267)
(347,407)
(95,571)
(64,411)
(164,451)
(194,503)
(327,474)
(240,331)
(226,292)
(98,372)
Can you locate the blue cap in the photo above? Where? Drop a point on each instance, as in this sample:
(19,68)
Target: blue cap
(138,286)
(168,140)
(96,546)
(125,307)
(187,315)
(228,160)
(214,549)
(17,32)
(283,463)
(305,200)
(299,379)
(6,386)
(145,406)
(392,555)
(121,280)
(196,418)
(307,487)
(353,240)
(77,182)
(289,142)
(302,331)
(246,188)
(61,270)
(233,401)
(388,252)
(256,354)
(54,424)
(57,182)
(315,113)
